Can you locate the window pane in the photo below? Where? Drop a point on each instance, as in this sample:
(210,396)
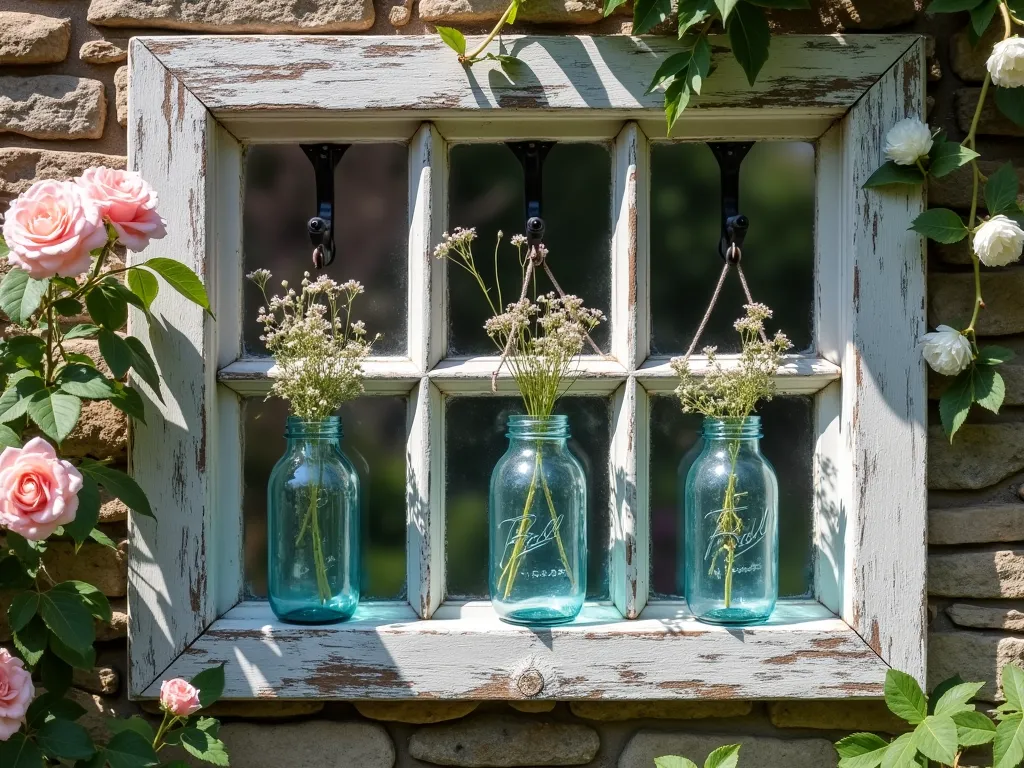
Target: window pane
(777,194)
(371,224)
(788,443)
(374,440)
(474,441)
(486,191)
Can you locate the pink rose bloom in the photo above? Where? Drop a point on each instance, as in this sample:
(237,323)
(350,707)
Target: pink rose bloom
(16,693)
(128,202)
(179,697)
(51,228)
(38,491)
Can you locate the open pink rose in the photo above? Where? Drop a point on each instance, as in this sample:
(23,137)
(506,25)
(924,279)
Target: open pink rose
(38,491)
(16,693)
(128,202)
(179,697)
(51,228)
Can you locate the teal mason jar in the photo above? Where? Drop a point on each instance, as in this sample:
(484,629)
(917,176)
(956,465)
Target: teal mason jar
(731,538)
(313,526)
(538,531)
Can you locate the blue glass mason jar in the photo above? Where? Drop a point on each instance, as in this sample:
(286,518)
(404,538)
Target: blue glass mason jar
(731,539)
(313,526)
(538,525)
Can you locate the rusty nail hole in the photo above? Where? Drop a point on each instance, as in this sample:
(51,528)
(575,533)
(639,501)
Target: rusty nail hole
(530,682)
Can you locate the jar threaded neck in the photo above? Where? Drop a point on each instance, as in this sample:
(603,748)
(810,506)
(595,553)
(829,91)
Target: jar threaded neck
(748,428)
(554,427)
(325,429)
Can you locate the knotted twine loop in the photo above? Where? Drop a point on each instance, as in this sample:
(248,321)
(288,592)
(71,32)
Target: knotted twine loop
(536,257)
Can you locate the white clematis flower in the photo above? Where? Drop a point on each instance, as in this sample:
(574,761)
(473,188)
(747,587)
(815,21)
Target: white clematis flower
(908,141)
(1006,64)
(947,350)
(999,241)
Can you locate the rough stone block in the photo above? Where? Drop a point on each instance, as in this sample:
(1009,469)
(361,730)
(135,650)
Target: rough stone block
(608,711)
(104,52)
(101,433)
(28,38)
(874,14)
(117,629)
(975,656)
(956,254)
(969,61)
(762,752)
(503,741)
(871,716)
(98,711)
(986,617)
(980,574)
(253,710)
(540,11)
(976,525)
(992,123)
(981,455)
(951,300)
(104,568)
(105,681)
(243,16)
(121,95)
(52,107)
(957,189)
(532,707)
(20,167)
(416,712)
(313,744)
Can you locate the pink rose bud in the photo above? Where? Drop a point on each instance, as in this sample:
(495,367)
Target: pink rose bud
(179,697)
(128,202)
(38,491)
(51,228)
(16,693)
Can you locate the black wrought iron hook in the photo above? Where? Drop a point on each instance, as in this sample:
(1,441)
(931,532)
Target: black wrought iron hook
(325,158)
(531,155)
(730,155)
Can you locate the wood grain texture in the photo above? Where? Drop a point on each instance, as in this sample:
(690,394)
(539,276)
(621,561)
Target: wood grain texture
(630,512)
(468,653)
(428,203)
(424,460)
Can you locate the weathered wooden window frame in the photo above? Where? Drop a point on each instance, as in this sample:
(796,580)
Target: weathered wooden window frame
(195,102)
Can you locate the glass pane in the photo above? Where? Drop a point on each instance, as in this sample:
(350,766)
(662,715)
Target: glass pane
(374,441)
(485,191)
(474,441)
(777,194)
(788,444)
(371,224)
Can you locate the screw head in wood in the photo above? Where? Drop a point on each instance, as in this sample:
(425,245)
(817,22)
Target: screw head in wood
(530,682)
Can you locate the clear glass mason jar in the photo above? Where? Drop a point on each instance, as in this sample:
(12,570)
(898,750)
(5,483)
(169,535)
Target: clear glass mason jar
(313,526)
(538,525)
(731,538)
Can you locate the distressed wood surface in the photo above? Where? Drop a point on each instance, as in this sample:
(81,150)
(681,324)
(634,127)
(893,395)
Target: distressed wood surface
(798,374)
(630,513)
(468,653)
(823,74)
(253,376)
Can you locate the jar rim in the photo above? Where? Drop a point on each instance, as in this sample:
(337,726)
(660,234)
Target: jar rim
(524,425)
(748,427)
(298,427)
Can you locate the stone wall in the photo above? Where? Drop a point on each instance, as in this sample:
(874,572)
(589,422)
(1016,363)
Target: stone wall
(62,108)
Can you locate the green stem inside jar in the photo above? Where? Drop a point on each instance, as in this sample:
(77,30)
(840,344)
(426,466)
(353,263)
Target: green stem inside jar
(730,524)
(311,522)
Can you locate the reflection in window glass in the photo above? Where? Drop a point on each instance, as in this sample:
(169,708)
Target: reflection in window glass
(374,440)
(777,194)
(486,191)
(474,441)
(371,213)
(788,443)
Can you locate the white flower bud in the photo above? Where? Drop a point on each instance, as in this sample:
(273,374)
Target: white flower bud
(1006,64)
(947,350)
(999,241)
(908,141)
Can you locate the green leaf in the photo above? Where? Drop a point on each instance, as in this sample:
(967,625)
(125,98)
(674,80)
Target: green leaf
(973,728)
(904,697)
(118,484)
(15,399)
(134,723)
(55,673)
(47,706)
(20,752)
(989,389)
(935,738)
(182,279)
(901,753)
(9,438)
(670,67)
(861,750)
(85,382)
(724,757)
(95,601)
(88,513)
(726,7)
(892,173)
(649,13)
(750,38)
(1001,191)
(453,39)
(941,225)
(1008,745)
(982,15)
(956,699)
(82,331)
(946,156)
(68,307)
(956,401)
(101,538)
(143,364)
(67,616)
(55,413)
(513,12)
(677,97)
(952,6)
(129,400)
(994,355)
(31,642)
(26,551)
(22,609)
(692,13)
(1013,686)
(787,5)
(204,746)
(25,351)
(144,285)
(128,749)
(116,353)
(107,306)
(1011,103)
(65,739)
(76,659)
(673,761)
(610,6)
(13,574)
(20,295)
(210,683)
